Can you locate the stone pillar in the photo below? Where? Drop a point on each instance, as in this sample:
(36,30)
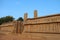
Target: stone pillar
(18,27)
(35,13)
(15,26)
(25,17)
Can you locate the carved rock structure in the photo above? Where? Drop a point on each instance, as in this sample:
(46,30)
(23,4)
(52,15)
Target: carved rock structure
(39,28)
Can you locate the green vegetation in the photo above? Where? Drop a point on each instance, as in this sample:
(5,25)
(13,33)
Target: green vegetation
(6,19)
(20,19)
(9,19)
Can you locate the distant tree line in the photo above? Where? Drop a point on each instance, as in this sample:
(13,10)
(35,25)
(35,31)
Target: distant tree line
(9,19)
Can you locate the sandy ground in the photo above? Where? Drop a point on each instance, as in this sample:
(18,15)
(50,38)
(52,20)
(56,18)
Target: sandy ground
(26,37)
(9,37)
(16,37)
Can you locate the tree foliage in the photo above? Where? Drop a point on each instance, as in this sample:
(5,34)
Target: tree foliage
(6,19)
(20,19)
(9,19)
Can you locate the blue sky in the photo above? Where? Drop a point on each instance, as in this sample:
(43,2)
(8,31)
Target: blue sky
(17,8)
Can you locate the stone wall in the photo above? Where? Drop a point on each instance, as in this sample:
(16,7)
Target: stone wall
(7,28)
(44,19)
(13,27)
(49,28)
(37,28)
(48,24)
(42,28)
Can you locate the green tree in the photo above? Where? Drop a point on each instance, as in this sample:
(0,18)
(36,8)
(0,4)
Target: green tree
(20,19)
(0,21)
(6,19)
(9,18)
